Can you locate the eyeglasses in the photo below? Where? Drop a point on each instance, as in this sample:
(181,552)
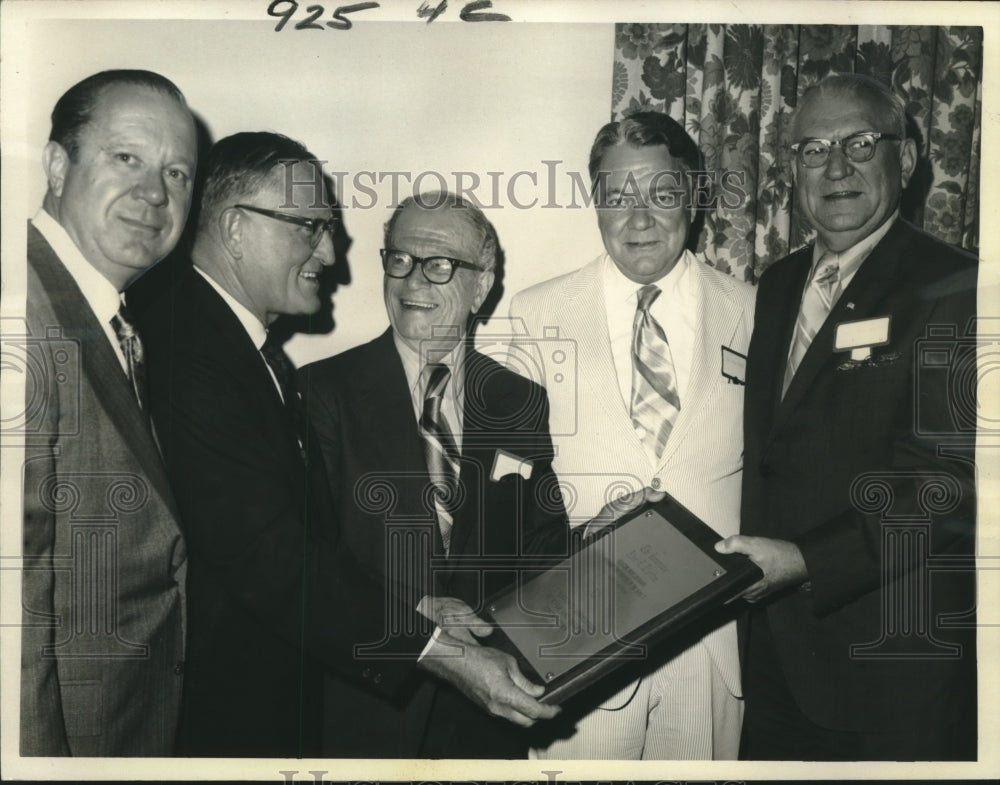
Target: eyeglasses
(316,226)
(858,148)
(660,200)
(436,269)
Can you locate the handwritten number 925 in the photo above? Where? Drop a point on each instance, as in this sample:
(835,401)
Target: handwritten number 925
(285,10)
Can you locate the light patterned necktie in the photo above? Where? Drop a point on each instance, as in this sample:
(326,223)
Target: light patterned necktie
(440,449)
(135,356)
(655,403)
(817,302)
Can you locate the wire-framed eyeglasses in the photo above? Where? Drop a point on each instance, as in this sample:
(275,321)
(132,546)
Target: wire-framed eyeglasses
(436,269)
(316,226)
(858,148)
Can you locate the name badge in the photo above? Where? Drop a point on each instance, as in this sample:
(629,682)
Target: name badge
(734,366)
(506,463)
(860,336)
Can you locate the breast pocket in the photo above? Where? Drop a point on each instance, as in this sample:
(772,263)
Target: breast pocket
(868,398)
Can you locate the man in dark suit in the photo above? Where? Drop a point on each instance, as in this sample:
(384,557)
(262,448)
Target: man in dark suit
(858,485)
(104,562)
(273,597)
(445,488)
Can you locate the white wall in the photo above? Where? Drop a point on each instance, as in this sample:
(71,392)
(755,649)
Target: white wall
(384,96)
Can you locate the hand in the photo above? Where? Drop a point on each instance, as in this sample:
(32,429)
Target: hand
(489,678)
(615,509)
(780,560)
(454,617)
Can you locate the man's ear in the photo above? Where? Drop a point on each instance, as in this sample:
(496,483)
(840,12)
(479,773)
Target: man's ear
(55,162)
(907,160)
(483,287)
(231,231)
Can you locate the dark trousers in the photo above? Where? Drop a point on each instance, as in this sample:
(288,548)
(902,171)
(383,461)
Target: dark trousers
(774,728)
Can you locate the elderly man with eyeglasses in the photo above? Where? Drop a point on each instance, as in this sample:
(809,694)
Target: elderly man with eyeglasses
(858,480)
(274,599)
(440,464)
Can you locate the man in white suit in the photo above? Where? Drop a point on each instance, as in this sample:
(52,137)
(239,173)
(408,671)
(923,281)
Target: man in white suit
(660,339)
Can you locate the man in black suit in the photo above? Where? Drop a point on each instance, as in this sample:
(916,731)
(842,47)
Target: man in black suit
(273,597)
(457,521)
(102,643)
(857,483)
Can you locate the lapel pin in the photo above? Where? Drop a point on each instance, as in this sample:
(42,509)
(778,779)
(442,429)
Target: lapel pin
(849,306)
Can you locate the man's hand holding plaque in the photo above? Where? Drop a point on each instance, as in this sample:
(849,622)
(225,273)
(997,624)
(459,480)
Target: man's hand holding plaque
(615,509)
(488,677)
(646,568)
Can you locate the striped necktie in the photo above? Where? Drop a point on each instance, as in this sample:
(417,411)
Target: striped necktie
(440,449)
(655,402)
(135,356)
(820,295)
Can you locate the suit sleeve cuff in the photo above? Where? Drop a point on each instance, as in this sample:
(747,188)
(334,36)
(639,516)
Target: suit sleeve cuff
(430,643)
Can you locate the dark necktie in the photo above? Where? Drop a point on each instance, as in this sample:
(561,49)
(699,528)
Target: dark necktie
(655,403)
(135,358)
(440,449)
(284,372)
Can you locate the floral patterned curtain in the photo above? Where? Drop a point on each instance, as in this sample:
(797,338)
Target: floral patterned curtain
(734,88)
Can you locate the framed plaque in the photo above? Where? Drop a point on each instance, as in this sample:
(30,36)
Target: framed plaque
(630,585)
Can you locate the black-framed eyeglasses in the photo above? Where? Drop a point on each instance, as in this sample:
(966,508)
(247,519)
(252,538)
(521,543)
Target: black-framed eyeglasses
(436,269)
(858,148)
(316,226)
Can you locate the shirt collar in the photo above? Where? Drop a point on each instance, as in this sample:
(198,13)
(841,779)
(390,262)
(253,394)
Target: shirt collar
(253,326)
(850,259)
(619,289)
(102,296)
(412,366)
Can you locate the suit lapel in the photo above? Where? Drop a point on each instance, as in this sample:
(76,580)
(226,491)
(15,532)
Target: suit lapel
(99,362)
(244,360)
(476,456)
(586,318)
(716,321)
(787,298)
(382,401)
(869,286)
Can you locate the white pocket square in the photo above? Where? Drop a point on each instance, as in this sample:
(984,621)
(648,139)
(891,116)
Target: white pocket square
(504,463)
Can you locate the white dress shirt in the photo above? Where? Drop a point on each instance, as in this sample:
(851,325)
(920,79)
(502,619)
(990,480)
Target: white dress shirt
(101,295)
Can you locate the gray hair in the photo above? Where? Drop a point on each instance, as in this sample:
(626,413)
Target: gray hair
(860,87)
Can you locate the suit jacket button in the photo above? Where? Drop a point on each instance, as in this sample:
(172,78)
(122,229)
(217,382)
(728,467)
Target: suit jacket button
(378,678)
(366,673)
(766,470)
(179,667)
(655,483)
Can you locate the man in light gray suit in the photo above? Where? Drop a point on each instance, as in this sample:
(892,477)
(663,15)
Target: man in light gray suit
(102,640)
(660,338)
